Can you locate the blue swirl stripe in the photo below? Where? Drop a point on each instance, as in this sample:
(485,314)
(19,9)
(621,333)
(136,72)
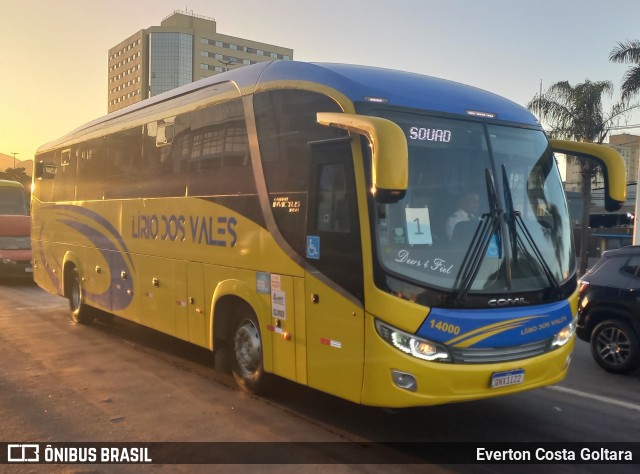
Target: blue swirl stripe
(120,292)
(94,216)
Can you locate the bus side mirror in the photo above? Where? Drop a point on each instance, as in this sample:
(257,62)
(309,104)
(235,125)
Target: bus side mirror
(390,156)
(613,168)
(165,134)
(45,170)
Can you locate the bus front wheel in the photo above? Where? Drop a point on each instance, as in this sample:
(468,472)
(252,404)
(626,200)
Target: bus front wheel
(80,312)
(246,353)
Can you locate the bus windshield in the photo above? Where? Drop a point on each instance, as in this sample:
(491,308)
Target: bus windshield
(484,211)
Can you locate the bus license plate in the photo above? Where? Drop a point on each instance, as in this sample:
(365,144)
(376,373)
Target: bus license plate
(510,377)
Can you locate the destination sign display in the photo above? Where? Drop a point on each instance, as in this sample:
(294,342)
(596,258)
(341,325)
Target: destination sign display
(430,134)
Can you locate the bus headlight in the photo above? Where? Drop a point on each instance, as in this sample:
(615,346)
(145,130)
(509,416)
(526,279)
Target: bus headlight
(565,334)
(410,344)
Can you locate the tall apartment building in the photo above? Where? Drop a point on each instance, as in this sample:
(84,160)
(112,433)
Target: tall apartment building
(184,48)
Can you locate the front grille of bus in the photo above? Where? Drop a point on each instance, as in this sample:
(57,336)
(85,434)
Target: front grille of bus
(469,355)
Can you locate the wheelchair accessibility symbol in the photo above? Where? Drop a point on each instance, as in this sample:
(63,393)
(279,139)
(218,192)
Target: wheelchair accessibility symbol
(313,247)
(493,251)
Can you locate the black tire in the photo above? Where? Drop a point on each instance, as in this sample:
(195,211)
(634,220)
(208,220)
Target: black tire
(80,312)
(615,347)
(245,353)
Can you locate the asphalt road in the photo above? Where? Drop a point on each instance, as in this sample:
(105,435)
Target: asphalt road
(116,381)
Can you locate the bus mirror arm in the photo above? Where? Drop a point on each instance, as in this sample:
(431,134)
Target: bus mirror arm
(389,151)
(613,168)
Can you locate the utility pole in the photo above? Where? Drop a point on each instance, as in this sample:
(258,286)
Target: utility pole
(14,153)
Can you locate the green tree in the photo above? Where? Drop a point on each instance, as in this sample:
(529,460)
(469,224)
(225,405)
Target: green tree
(576,113)
(628,52)
(16,174)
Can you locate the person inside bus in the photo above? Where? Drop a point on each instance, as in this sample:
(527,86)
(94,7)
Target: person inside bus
(468,206)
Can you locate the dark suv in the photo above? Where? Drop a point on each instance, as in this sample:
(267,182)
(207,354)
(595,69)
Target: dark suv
(609,310)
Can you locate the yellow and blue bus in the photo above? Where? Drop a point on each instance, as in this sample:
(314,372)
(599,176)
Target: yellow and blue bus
(297,219)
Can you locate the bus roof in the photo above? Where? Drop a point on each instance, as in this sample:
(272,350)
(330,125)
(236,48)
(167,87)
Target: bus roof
(404,89)
(358,83)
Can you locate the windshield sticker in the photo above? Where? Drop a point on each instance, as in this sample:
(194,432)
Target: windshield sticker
(278,304)
(278,298)
(493,251)
(418,226)
(438,265)
(313,247)
(263,283)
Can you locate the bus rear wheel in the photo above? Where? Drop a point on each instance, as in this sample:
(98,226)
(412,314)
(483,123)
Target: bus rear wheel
(245,353)
(80,312)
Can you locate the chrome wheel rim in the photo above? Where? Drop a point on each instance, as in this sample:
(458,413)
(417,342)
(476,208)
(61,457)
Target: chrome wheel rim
(613,346)
(248,348)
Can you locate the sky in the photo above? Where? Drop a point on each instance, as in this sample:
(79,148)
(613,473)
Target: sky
(53,69)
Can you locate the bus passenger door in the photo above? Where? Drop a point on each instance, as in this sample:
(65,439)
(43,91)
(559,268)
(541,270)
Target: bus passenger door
(334,288)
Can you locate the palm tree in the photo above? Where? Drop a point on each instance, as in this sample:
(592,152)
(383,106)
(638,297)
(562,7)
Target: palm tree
(628,52)
(576,113)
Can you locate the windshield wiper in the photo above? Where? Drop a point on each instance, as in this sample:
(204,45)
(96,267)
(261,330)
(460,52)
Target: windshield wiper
(510,214)
(487,227)
(514,219)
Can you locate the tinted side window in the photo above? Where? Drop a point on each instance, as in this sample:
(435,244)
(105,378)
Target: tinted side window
(333,216)
(308,171)
(332,212)
(43,189)
(124,164)
(286,123)
(12,201)
(163,160)
(92,159)
(631,266)
(611,273)
(218,148)
(64,188)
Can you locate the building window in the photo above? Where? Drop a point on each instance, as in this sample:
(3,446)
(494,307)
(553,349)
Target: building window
(171,60)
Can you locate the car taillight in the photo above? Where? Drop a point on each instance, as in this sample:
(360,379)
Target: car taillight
(582,286)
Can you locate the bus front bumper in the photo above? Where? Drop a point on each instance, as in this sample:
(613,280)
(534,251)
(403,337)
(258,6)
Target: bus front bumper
(394,379)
